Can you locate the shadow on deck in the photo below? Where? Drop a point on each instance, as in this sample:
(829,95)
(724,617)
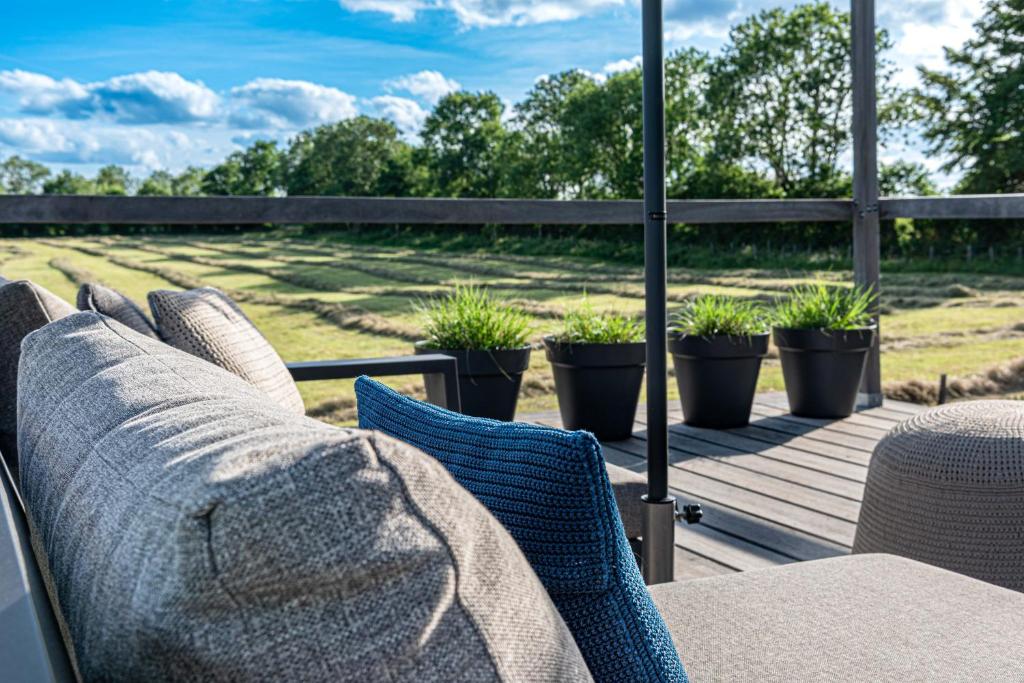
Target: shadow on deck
(783,489)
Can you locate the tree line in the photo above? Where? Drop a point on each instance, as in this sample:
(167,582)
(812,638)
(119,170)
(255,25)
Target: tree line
(768,116)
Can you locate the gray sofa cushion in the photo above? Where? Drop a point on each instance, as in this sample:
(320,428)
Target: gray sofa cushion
(24,307)
(859,618)
(114,304)
(195,531)
(207,323)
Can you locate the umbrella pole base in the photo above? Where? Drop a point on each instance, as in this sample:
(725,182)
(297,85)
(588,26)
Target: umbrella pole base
(657,554)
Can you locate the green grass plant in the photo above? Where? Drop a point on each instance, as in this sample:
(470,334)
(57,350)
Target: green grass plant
(818,306)
(711,315)
(584,324)
(470,318)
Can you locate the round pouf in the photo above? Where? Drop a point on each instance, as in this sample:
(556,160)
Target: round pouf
(946,487)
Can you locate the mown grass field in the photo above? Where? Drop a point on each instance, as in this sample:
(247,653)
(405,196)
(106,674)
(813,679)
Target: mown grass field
(334,299)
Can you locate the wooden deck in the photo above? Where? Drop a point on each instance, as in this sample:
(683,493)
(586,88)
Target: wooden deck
(783,489)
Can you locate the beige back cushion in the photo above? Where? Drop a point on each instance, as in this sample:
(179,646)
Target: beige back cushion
(208,324)
(113,304)
(24,308)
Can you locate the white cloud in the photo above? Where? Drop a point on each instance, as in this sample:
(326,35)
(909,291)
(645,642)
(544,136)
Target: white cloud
(38,93)
(482,13)
(679,33)
(146,97)
(622,65)
(407,114)
(400,10)
(284,104)
(920,29)
(75,142)
(430,86)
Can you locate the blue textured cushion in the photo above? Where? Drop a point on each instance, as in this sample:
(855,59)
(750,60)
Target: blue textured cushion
(550,489)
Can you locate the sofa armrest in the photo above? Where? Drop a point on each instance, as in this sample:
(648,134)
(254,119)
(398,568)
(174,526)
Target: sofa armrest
(31,647)
(628,487)
(446,367)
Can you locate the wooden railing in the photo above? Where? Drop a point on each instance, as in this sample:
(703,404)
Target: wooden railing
(61,209)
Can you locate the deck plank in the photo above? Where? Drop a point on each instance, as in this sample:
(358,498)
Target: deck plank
(758,482)
(752,528)
(783,489)
(797,467)
(698,487)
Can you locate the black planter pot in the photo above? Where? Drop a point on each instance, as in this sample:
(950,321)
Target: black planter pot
(717,377)
(598,385)
(823,369)
(489,381)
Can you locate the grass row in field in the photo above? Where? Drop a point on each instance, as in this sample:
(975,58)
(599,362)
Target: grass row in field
(904,329)
(995,323)
(625,245)
(345,317)
(902,292)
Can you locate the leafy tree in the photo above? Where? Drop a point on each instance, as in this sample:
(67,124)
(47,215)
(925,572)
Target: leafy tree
(67,182)
(541,153)
(113,180)
(188,183)
(583,137)
(361,156)
(226,177)
(687,133)
(463,140)
(974,110)
(159,184)
(21,176)
(261,169)
(605,124)
(254,171)
(779,97)
(905,179)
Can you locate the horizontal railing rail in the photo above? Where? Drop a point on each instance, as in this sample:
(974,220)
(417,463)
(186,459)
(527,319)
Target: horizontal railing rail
(116,210)
(980,207)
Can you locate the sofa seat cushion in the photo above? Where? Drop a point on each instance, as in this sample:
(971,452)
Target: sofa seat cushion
(195,531)
(207,323)
(114,304)
(550,489)
(852,618)
(24,307)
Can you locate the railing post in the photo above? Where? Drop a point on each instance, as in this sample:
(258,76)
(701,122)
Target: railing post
(659,508)
(866,239)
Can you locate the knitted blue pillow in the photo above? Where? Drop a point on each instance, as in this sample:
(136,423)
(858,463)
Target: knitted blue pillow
(550,489)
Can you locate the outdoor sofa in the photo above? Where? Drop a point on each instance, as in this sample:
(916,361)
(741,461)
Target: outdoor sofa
(172,521)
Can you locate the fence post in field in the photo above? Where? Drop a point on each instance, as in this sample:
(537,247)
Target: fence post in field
(866,241)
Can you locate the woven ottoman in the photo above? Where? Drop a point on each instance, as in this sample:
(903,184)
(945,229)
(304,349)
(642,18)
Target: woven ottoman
(946,487)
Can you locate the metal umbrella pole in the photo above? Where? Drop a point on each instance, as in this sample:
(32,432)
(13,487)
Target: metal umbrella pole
(659,507)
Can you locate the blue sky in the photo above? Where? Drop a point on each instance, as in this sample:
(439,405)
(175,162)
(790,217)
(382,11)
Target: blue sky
(161,84)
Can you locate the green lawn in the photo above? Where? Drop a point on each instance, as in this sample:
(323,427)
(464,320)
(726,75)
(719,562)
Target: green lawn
(332,299)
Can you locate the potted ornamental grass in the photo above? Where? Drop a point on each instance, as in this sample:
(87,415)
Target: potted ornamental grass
(489,338)
(598,360)
(717,343)
(823,334)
